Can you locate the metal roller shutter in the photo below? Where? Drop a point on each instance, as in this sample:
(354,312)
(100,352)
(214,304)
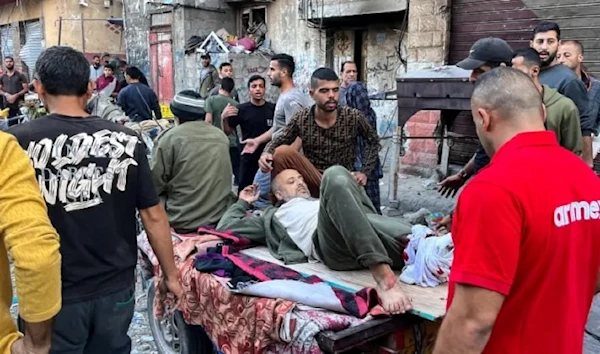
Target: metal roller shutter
(514,20)
(33,45)
(6,43)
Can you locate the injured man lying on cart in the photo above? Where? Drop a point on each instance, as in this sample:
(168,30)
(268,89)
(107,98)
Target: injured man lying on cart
(341,229)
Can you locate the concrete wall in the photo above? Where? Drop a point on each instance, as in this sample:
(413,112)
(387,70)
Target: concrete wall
(137,28)
(428,44)
(189,21)
(92,35)
(338,8)
(293,36)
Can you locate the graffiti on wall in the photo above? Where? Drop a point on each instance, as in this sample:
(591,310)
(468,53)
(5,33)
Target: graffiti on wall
(257,70)
(383,71)
(343,43)
(305,66)
(387,116)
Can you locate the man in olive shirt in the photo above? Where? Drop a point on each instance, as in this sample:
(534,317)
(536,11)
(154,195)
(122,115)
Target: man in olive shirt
(214,107)
(197,194)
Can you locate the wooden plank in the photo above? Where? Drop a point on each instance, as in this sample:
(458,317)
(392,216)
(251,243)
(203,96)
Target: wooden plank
(428,303)
(350,338)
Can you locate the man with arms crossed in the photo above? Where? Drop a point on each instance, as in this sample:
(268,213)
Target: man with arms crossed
(13,86)
(33,244)
(93,174)
(526,261)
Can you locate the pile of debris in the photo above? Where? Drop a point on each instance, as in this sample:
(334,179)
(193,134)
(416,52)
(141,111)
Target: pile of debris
(222,41)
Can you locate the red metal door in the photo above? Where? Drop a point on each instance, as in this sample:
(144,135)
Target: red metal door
(162,65)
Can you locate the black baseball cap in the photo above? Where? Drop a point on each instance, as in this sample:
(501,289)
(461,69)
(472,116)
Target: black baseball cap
(205,56)
(490,50)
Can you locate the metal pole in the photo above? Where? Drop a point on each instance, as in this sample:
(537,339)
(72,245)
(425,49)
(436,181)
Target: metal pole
(60,19)
(394,165)
(82,34)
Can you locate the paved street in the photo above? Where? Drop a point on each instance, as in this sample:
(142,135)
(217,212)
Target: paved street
(592,346)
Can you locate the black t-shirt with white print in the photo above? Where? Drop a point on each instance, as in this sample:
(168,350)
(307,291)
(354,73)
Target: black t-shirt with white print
(93,174)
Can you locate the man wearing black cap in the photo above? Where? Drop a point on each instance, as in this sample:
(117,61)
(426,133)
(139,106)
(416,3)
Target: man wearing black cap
(485,55)
(209,76)
(191,167)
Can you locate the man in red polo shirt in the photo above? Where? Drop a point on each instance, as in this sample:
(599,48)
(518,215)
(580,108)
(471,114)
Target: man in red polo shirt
(526,259)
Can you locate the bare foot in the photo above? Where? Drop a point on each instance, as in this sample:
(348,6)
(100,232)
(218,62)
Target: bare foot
(393,299)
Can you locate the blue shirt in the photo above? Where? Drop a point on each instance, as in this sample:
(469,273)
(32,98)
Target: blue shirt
(139,101)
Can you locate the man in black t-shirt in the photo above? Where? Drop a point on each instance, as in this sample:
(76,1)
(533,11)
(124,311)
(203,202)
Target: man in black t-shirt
(13,86)
(254,118)
(93,175)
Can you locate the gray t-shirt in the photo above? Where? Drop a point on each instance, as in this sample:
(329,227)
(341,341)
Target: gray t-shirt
(288,104)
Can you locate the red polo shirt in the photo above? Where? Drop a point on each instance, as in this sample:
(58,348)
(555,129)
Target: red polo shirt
(527,226)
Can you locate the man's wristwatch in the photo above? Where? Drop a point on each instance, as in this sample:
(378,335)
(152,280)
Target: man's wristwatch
(463,174)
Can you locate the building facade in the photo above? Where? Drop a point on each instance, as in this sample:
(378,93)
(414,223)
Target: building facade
(386,38)
(29,26)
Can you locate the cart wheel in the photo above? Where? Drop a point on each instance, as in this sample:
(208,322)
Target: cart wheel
(173,336)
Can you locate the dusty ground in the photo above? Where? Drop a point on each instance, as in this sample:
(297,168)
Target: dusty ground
(414,193)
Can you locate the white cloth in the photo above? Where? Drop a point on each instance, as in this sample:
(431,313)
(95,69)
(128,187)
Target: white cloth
(428,258)
(319,295)
(299,216)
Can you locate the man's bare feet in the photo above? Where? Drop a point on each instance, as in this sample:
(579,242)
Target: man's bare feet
(388,289)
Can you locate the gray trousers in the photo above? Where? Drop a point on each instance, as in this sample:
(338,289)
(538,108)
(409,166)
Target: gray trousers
(350,234)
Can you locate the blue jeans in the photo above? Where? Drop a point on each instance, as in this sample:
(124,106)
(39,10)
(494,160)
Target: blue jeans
(264,186)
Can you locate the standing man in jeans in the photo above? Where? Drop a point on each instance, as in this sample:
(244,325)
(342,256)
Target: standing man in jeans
(93,174)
